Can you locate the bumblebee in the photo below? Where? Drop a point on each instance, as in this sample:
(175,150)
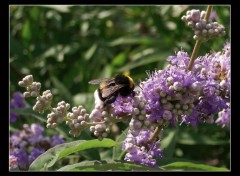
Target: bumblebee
(110,88)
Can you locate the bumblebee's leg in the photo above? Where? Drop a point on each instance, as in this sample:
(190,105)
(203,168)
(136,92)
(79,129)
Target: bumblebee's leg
(100,95)
(133,93)
(110,100)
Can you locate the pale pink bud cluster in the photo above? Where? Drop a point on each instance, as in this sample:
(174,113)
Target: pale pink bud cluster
(101,116)
(58,114)
(77,120)
(203,29)
(33,88)
(43,102)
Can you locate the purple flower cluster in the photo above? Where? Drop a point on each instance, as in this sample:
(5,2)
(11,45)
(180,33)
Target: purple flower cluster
(26,145)
(17,101)
(142,155)
(175,95)
(179,95)
(122,106)
(141,127)
(139,151)
(170,93)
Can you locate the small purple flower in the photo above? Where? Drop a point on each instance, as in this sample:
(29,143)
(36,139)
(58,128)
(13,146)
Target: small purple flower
(27,144)
(224,117)
(123,106)
(13,163)
(15,139)
(181,60)
(13,116)
(22,158)
(213,16)
(143,137)
(34,154)
(37,129)
(193,118)
(16,102)
(155,149)
(55,140)
(33,134)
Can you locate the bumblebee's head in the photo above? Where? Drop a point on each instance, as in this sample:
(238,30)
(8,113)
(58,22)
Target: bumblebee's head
(126,80)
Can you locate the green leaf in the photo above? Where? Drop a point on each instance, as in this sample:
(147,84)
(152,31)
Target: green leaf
(91,154)
(119,59)
(105,154)
(62,89)
(57,51)
(90,52)
(59,8)
(156,57)
(180,166)
(85,99)
(28,111)
(169,142)
(135,40)
(168,160)
(199,139)
(117,149)
(51,156)
(107,166)
(17,47)
(26,31)
(106,71)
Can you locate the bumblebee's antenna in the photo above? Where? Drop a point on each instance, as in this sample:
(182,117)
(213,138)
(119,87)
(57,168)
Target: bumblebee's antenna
(140,87)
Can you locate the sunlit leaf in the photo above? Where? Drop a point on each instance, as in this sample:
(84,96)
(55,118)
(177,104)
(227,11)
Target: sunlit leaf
(134,40)
(156,57)
(26,31)
(196,139)
(168,160)
(91,51)
(119,59)
(107,166)
(60,8)
(168,143)
(187,166)
(117,149)
(51,156)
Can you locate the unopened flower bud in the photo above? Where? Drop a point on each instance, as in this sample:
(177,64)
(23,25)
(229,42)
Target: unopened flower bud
(26,94)
(167,115)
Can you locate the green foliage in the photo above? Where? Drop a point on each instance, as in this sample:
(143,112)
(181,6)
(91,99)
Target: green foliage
(187,166)
(50,157)
(107,166)
(64,47)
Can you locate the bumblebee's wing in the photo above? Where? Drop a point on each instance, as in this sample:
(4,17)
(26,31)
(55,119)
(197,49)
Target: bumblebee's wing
(110,90)
(98,81)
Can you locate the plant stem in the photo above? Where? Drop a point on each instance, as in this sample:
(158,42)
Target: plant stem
(94,123)
(155,134)
(194,53)
(198,42)
(209,9)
